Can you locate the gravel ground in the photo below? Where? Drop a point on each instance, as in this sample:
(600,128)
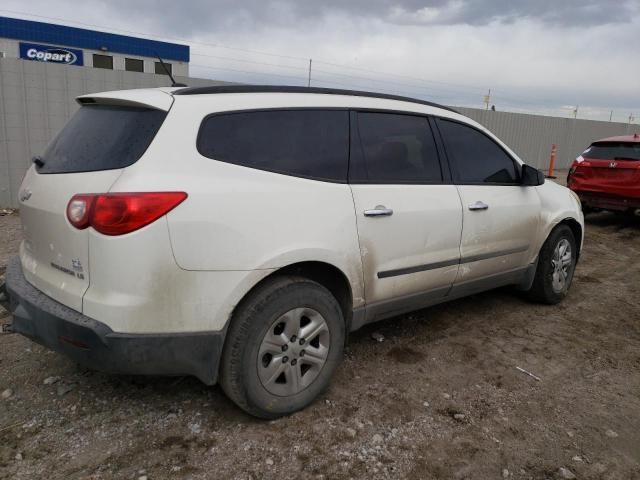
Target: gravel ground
(440,397)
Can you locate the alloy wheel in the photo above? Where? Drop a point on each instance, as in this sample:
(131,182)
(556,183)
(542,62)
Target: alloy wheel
(293,351)
(562,262)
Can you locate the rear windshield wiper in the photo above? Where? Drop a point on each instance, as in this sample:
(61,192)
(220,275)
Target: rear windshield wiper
(38,161)
(626,158)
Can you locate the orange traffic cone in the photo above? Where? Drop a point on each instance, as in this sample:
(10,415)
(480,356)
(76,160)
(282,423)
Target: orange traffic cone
(552,160)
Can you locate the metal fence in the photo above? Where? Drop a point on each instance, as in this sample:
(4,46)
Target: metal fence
(531,136)
(36,99)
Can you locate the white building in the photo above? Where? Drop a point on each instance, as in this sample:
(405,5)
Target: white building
(78,47)
(44,67)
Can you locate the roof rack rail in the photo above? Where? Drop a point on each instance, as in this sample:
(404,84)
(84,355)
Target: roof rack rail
(297,89)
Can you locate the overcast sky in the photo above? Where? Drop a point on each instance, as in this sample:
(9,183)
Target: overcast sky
(538,56)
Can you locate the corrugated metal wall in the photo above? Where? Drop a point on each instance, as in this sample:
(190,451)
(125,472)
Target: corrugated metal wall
(36,99)
(531,136)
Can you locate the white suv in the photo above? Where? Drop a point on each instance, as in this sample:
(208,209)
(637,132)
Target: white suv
(239,233)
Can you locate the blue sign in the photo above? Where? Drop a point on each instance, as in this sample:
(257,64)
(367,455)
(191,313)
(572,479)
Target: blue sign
(51,54)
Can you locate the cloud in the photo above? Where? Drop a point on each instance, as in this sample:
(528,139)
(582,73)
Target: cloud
(224,15)
(535,55)
(566,13)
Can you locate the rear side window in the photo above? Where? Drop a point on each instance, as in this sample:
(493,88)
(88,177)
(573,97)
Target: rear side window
(102,137)
(304,143)
(613,151)
(476,157)
(394,148)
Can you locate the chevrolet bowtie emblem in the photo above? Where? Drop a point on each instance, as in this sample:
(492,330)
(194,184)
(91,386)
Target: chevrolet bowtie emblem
(25,195)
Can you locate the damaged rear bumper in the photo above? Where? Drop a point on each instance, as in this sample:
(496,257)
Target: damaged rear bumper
(94,345)
(607,201)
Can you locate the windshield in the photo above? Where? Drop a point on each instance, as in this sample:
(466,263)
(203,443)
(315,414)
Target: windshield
(101,137)
(613,151)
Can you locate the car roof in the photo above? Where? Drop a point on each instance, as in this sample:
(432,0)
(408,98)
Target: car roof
(296,89)
(635,137)
(163,99)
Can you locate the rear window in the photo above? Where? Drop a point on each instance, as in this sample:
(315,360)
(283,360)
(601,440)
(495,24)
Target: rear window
(303,143)
(102,137)
(613,151)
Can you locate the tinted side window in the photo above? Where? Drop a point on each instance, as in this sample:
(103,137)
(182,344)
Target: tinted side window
(306,143)
(395,148)
(476,158)
(102,137)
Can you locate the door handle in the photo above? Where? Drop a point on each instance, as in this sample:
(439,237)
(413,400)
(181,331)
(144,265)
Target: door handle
(379,211)
(479,205)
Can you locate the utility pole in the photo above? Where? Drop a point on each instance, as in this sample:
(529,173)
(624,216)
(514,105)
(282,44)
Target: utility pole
(611,115)
(487,100)
(575,112)
(309,80)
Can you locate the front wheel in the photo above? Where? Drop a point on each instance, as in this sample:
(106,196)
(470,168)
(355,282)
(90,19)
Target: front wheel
(556,266)
(283,346)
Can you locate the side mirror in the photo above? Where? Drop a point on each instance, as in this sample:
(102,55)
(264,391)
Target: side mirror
(531,177)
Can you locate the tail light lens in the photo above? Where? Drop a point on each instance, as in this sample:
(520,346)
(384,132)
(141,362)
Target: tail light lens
(79,210)
(120,213)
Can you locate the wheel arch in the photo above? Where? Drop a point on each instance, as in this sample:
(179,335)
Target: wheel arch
(576,229)
(326,274)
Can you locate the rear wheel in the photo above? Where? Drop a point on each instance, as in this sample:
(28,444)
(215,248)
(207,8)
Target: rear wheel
(283,346)
(556,266)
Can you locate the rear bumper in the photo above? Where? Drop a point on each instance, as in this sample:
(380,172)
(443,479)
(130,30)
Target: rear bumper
(95,345)
(607,201)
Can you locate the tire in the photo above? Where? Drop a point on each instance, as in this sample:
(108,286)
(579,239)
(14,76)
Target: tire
(265,370)
(550,285)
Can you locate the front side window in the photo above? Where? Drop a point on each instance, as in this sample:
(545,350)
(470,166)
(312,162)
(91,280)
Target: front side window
(304,143)
(394,148)
(476,158)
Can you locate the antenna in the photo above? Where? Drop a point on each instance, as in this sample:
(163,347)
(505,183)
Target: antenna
(166,70)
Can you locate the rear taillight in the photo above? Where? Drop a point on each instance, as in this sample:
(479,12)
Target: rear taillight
(120,213)
(79,210)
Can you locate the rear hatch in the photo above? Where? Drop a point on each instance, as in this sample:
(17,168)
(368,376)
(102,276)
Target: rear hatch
(88,156)
(611,167)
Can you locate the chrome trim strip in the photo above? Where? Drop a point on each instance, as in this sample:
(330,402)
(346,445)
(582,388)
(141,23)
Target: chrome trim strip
(486,256)
(448,263)
(417,268)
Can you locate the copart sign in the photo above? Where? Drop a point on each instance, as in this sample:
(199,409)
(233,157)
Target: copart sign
(51,54)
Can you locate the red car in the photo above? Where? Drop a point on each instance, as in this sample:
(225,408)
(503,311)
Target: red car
(607,175)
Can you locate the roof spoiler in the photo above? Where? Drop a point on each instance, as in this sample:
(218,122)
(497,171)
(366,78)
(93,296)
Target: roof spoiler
(143,98)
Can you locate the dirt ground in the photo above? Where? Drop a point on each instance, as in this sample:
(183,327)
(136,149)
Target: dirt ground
(439,398)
